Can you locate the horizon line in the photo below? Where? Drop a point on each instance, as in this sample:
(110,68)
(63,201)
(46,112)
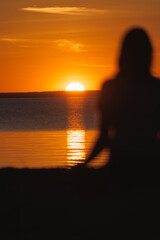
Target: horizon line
(91,90)
(46,94)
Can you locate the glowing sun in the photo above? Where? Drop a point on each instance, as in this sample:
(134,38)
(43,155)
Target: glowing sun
(74,86)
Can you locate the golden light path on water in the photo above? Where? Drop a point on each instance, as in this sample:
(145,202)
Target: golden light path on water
(75,146)
(79,145)
(75,131)
(79,140)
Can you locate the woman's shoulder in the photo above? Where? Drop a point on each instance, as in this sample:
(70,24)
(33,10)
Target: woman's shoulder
(156,81)
(106,93)
(109,84)
(115,83)
(154,86)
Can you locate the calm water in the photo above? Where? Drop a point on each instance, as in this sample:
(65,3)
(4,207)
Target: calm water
(48,132)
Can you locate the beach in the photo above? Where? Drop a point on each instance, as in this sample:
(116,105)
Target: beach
(74,204)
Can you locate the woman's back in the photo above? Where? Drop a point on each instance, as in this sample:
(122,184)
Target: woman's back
(130,110)
(131,113)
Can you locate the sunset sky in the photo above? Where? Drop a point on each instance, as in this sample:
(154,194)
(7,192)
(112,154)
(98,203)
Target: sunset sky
(46,44)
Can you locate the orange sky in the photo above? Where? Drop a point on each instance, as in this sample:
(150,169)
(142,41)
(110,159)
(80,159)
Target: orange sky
(45,45)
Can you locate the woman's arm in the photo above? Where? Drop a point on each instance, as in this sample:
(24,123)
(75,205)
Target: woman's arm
(101,142)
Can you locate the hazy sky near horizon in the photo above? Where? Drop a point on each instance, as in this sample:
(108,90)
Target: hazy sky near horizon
(45,45)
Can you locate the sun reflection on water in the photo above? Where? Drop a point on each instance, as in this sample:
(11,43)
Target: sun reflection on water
(75,132)
(79,140)
(75,146)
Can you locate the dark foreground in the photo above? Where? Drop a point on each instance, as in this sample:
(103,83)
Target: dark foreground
(76,204)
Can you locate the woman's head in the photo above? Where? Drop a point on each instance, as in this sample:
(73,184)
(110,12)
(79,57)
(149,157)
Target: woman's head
(136,53)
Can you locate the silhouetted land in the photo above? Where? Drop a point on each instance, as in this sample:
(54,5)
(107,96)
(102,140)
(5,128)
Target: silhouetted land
(48,94)
(76,203)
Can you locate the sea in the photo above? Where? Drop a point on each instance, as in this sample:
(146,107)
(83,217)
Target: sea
(55,130)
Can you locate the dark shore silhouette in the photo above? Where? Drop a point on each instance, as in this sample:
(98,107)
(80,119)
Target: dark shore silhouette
(48,94)
(75,204)
(118,201)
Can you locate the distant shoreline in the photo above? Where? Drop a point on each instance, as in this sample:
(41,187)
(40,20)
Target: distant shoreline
(49,94)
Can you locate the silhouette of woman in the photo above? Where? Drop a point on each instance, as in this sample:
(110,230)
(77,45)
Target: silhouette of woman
(129,107)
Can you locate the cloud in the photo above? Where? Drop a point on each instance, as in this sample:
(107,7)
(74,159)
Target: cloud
(18,42)
(13,40)
(22,42)
(70,45)
(66,10)
(64,44)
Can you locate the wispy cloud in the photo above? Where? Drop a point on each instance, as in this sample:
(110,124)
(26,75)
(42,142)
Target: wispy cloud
(64,44)
(70,45)
(66,10)
(13,40)
(18,42)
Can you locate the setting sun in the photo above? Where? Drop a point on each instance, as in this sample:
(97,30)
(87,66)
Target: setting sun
(74,86)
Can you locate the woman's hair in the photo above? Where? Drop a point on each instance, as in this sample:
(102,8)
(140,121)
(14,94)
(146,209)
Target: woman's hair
(136,53)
